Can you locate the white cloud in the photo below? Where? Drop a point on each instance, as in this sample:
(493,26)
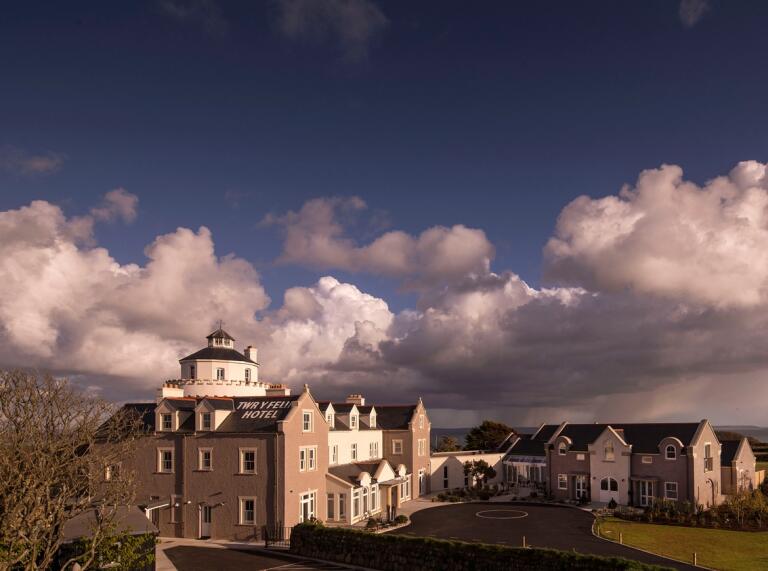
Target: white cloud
(691,11)
(314,236)
(671,238)
(117,204)
(353,24)
(21,162)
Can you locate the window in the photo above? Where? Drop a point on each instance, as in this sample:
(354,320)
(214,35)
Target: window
(219,374)
(354,451)
(307,506)
(647,459)
(167,421)
(353,421)
(397,447)
(372,450)
(373,420)
(670,490)
(112,472)
(205,420)
(312,455)
(247,460)
(335,454)
(609,454)
(609,484)
(421,421)
(708,460)
(366,508)
(192,372)
(306,424)
(342,506)
(562,448)
(580,456)
(204,459)
(247,511)
(355,503)
(422,446)
(330,420)
(331,505)
(302,459)
(445,477)
(562,482)
(247,374)
(165,460)
(374,497)
(671,452)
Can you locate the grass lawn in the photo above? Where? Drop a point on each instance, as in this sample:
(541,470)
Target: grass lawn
(718,549)
(761,466)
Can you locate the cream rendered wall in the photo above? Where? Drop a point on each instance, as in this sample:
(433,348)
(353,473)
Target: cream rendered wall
(454,461)
(707,488)
(344,439)
(206,370)
(601,468)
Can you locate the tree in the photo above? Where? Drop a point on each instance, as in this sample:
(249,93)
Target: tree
(447,444)
(55,451)
(479,472)
(488,436)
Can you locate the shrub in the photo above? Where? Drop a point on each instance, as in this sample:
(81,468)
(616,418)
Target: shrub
(612,504)
(372,523)
(402,518)
(484,495)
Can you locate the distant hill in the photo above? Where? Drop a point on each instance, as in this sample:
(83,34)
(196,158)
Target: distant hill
(758,432)
(460,433)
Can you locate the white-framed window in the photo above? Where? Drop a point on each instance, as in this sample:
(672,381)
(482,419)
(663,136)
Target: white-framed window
(609,484)
(302,459)
(247,375)
(247,460)
(330,420)
(373,420)
(647,459)
(422,451)
(356,503)
(374,497)
(307,503)
(205,421)
(112,472)
(608,452)
(165,460)
(421,421)
(192,372)
(306,421)
(205,459)
(580,456)
(342,506)
(335,454)
(247,510)
(353,451)
(219,373)
(562,448)
(670,490)
(374,450)
(562,481)
(353,421)
(708,460)
(397,446)
(331,506)
(166,421)
(670,452)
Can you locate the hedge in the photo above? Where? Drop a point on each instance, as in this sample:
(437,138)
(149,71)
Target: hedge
(389,552)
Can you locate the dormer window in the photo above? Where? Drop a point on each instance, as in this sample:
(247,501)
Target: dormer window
(205,420)
(373,421)
(670,452)
(220,374)
(562,448)
(330,420)
(353,421)
(166,421)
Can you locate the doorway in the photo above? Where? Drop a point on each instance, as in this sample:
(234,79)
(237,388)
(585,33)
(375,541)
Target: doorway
(205,521)
(581,487)
(646,492)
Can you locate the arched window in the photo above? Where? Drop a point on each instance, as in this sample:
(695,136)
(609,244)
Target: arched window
(609,484)
(562,448)
(609,453)
(671,452)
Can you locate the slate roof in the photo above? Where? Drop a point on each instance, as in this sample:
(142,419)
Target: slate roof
(394,417)
(350,472)
(181,403)
(221,403)
(218,354)
(528,447)
(644,437)
(343,407)
(220,334)
(729,449)
(546,432)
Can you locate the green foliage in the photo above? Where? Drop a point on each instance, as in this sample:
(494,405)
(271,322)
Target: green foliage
(402,518)
(612,504)
(447,444)
(119,551)
(390,552)
(488,436)
(479,472)
(373,523)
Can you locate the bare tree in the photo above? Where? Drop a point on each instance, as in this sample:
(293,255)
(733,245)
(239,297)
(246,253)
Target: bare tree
(60,455)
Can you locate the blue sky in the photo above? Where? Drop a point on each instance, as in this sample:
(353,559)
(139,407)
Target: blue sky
(494,117)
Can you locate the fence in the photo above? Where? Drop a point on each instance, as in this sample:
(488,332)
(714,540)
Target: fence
(276,536)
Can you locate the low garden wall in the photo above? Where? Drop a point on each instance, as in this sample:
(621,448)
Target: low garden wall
(401,553)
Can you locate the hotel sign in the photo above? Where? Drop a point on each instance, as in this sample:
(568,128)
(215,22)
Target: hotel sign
(257,410)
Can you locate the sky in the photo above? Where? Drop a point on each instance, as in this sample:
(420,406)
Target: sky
(523,211)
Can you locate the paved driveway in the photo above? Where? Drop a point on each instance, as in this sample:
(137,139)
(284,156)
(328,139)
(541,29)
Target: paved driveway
(193,558)
(505,524)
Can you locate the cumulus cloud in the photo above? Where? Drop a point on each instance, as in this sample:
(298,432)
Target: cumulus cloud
(315,236)
(671,238)
(353,24)
(18,161)
(691,11)
(117,204)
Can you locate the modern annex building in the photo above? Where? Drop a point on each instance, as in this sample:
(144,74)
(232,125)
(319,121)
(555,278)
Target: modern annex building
(226,454)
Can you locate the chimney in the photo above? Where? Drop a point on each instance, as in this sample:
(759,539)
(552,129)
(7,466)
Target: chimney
(278,390)
(250,353)
(356,399)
